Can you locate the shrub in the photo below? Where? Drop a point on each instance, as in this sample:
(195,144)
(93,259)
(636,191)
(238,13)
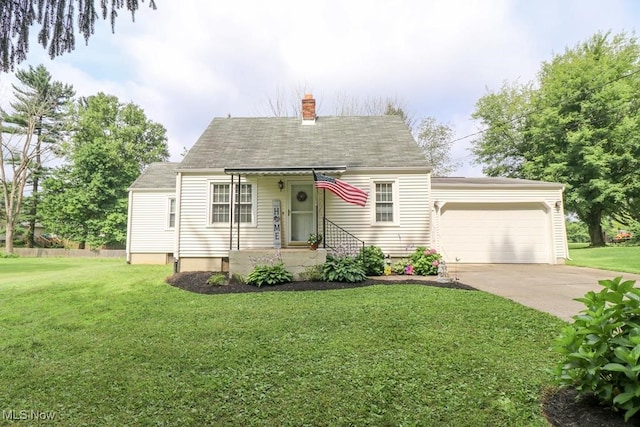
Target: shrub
(601,348)
(8,255)
(425,261)
(577,232)
(400,267)
(269,275)
(373,260)
(343,269)
(217,279)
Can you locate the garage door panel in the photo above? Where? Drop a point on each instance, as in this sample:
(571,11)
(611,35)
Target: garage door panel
(494,233)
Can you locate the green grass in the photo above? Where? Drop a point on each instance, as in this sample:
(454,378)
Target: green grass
(615,257)
(100,342)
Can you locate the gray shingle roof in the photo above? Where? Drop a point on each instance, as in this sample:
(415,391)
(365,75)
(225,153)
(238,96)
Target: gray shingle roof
(157,176)
(438,182)
(278,142)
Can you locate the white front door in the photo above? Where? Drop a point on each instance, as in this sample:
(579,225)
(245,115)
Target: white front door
(301,212)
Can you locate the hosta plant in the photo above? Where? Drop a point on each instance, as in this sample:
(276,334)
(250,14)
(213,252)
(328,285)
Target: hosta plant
(343,269)
(601,349)
(268,275)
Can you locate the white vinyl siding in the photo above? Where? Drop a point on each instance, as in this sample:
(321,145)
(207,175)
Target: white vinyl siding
(198,238)
(148,231)
(412,220)
(411,228)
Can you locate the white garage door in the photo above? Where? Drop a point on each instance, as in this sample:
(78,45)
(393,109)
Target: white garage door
(494,233)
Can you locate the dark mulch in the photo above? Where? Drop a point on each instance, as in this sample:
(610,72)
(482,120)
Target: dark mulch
(560,406)
(196,281)
(563,409)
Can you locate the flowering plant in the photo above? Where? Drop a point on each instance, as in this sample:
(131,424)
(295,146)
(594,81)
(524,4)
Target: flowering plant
(422,262)
(314,239)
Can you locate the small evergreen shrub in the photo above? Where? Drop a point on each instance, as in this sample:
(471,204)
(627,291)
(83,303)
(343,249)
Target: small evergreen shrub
(343,269)
(217,279)
(601,349)
(373,260)
(269,275)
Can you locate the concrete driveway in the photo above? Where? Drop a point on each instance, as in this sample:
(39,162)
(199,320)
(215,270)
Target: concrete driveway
(549,288)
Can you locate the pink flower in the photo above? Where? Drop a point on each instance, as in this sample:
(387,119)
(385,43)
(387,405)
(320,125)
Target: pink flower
(435,263)
(408,269)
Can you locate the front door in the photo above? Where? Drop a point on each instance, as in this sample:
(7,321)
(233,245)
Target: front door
(301,212)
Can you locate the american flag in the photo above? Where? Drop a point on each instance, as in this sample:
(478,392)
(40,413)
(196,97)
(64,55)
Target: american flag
(345,191)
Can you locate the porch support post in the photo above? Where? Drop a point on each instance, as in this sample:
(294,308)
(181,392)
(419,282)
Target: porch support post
(238,211)
(231,217)
(324,218)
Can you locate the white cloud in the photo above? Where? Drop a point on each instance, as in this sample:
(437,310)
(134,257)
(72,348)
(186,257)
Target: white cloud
(189,61)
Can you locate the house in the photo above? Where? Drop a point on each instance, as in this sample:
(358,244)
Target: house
(247,187)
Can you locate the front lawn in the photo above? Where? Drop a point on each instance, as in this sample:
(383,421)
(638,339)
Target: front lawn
(614,257)
(99,342)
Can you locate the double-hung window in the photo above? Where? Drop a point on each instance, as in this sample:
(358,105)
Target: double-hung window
(171,223)
(384,203)
(225,199)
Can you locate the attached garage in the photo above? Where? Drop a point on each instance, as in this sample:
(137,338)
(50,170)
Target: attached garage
(498,220)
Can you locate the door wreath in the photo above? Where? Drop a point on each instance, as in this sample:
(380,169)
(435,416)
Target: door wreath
(301,196)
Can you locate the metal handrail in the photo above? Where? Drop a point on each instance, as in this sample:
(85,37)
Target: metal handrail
(340,241)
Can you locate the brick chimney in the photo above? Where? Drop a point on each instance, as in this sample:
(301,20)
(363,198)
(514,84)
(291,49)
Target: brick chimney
(308,109)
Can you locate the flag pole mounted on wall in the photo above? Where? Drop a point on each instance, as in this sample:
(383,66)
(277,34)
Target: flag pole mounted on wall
(344,190)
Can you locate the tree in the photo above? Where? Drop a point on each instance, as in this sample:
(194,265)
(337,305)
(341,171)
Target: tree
(580,126)
(36,88)
(435,140)
(86,199)
(34,122)
(57,21)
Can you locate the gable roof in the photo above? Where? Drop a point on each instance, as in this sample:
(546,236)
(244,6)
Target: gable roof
(157,176)
(444,182)
(284,142)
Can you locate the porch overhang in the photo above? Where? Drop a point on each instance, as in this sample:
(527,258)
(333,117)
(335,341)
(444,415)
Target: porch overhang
(287,170)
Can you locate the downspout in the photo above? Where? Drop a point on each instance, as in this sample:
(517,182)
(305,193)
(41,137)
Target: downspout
(176,244)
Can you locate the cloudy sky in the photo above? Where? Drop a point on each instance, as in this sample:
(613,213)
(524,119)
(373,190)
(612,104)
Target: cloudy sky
(190,61)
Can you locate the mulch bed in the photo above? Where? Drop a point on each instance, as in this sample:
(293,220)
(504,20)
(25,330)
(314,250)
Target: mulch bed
(560,406)
(196,281)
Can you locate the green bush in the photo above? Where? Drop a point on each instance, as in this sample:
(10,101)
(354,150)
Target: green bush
(217,279)
(343,269)
(8,255)
(577,232)
(425,261)
(601,348)
(400,267)
(269,275)
(373,260)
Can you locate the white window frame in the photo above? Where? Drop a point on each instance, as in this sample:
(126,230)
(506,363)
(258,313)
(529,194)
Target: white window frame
(395,201)
(232,204)
(171,203)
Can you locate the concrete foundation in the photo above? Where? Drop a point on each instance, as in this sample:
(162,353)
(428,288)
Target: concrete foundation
(297,261)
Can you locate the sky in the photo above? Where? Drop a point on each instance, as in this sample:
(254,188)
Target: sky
(190,61)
